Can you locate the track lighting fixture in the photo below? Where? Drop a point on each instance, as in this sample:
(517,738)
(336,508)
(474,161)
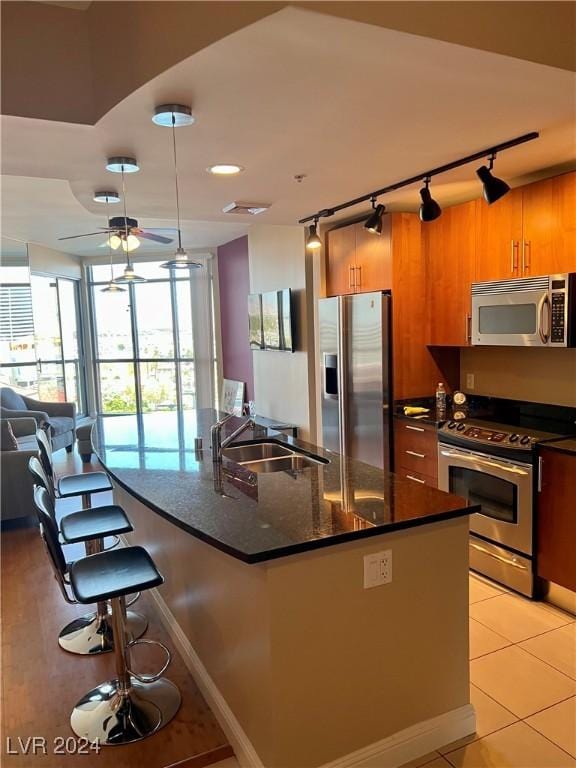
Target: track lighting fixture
(429,209)
(313,242)
(174,116)
(374,222)
(493,187)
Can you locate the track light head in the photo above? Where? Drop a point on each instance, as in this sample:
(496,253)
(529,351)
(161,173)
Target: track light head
(429,209)
(374,222)
(313,242)
(493,187)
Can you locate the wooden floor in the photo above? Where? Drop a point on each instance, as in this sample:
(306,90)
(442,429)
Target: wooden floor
(41,682)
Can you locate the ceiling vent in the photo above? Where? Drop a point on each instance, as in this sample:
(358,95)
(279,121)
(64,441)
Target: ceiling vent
(252,209)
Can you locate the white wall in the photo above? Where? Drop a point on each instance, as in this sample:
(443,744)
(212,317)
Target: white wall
(47,261)
(282,381)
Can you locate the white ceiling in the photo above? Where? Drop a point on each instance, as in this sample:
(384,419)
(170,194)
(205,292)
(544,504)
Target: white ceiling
(352,106)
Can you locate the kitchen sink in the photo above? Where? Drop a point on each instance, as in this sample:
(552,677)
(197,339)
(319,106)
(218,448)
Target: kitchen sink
(255,452)
(270,457)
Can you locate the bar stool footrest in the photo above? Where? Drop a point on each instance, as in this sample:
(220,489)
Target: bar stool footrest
(145,679)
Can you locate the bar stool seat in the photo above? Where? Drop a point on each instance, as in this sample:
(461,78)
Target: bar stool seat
(94,523)
(82,484)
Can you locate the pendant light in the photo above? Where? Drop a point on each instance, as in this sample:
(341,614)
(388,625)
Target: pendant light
(176,115)
(313,241)
(374,222)
(112,287)
(493,187)
(128,276)
(429,209)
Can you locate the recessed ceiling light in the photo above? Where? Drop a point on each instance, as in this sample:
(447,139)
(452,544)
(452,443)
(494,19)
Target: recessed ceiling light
(106,197)
(169,115)
(119,164)
(225,169)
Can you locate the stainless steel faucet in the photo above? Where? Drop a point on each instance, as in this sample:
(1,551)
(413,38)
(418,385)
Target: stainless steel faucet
(216,436)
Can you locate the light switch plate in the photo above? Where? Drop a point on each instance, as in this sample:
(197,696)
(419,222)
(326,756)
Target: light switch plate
(469,381)
(377,569)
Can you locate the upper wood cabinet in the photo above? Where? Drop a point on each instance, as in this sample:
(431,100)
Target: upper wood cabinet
(358,261)
(549,226)
(531,231)
(449,248)
(498,238)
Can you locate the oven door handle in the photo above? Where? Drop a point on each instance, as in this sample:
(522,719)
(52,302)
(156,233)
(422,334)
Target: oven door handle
(513,562)
(513,470)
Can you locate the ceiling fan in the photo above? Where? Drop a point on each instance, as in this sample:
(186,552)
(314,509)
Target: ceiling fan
(122,231)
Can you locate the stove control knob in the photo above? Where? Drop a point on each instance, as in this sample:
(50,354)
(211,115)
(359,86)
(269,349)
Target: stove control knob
(452,425)
(524,440)
(514,438)
(461,427)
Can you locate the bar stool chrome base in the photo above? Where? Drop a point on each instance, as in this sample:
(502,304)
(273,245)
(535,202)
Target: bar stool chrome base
(113,716)
(91,634)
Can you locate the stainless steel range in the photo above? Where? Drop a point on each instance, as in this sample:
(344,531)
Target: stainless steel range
(496,466)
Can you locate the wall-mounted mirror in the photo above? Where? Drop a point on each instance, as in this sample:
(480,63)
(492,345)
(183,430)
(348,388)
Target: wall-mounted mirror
(17,351)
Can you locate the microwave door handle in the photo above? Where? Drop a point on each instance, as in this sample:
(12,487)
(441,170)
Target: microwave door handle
(545,308)
(483,462)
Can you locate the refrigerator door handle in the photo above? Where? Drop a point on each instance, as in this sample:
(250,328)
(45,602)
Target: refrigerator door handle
(342,375)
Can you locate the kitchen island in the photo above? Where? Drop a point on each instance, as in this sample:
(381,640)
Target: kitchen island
(265,592)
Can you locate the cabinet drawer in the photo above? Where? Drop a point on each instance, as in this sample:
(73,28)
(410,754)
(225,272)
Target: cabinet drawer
(417,477)
(416,448)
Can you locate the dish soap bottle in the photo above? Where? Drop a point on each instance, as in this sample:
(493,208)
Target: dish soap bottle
(441,398)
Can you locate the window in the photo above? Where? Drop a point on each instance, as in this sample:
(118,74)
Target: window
(144,341)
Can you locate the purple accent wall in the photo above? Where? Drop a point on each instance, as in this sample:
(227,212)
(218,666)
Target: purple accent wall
(234,286)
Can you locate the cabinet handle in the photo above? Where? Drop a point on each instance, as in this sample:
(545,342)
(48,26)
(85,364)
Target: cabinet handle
(416,479)
(514,247)
(415,453)
(415,429)
(359,283)
(540,468)
(528,259)
(351,277)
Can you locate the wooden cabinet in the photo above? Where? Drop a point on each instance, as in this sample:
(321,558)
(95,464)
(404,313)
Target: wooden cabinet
(499,238)
(529,232)
(549,226)
(557,519)
(416,451)
(358,261)
(449,249)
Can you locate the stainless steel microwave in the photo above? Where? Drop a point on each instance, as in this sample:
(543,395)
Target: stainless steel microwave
(526,312)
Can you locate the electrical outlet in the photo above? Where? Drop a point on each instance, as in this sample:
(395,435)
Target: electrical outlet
(377,569)
(469,381)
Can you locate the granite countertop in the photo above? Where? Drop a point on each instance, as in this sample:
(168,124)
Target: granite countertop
(566,445)
(259,517)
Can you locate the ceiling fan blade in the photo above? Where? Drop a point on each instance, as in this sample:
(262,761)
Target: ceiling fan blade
(86,234)
(155,238)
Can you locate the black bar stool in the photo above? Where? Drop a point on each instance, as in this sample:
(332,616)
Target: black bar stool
(131,706)
(92,633)
(82,484)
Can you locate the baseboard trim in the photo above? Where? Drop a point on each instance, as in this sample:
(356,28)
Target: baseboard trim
(412,742)
(243,748)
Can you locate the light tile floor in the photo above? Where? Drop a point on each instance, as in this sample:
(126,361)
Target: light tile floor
(523,686)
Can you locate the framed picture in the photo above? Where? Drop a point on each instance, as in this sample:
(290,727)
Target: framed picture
(233,396)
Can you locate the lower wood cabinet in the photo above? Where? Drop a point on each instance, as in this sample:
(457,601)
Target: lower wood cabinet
(416,451)
(556,519)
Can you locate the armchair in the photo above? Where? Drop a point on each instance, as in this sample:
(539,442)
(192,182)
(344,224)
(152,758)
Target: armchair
(16,488)
(58,418)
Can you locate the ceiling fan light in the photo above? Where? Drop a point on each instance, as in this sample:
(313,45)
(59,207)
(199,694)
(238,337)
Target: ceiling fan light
(177,115)
(114,241)
(130,243)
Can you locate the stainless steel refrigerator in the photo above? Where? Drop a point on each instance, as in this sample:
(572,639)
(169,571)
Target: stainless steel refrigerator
(355,376)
